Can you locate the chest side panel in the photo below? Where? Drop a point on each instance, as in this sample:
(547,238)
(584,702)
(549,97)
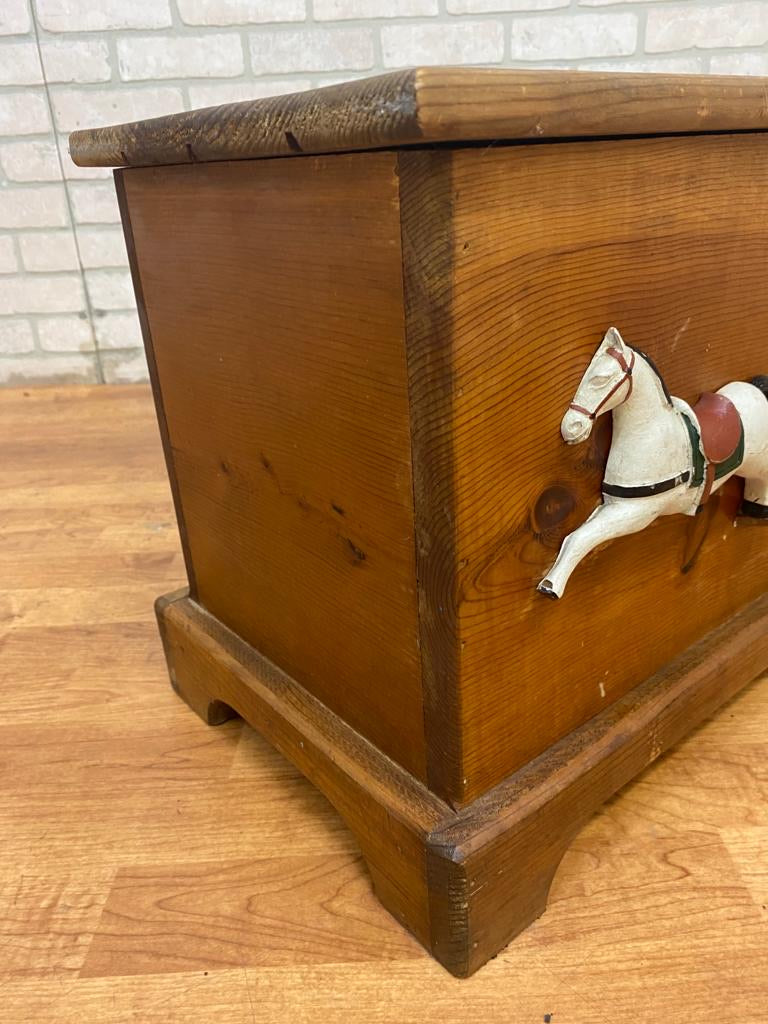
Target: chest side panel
(667,239)
(273,295)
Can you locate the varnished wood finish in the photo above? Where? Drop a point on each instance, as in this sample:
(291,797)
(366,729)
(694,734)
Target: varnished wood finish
(273,293)
(665,238)
(385,807)
(432,104)
(149,348)
(361,362)
(427,231)
(464,883)
(153,869)
(494,299)
(505,848)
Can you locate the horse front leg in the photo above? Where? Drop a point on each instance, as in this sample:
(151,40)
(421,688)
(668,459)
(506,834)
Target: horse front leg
(619,518)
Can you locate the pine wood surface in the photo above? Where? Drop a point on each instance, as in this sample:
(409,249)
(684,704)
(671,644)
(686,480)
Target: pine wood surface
(548,245)
(491,273)
(433,104)
(157,870)
(273,296)
(679,219)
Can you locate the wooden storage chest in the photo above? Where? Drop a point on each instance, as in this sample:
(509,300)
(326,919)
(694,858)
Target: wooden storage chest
(366,309)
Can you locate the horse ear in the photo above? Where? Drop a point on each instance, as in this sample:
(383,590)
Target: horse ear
(614,339)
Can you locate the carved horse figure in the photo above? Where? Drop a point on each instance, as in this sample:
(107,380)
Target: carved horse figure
(665,456)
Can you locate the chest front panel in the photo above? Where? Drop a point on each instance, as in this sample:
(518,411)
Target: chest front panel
(665,238)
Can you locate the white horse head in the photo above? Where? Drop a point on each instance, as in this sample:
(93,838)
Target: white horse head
(606,384)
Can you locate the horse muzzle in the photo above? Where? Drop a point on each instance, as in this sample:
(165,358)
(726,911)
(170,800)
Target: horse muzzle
(575,427)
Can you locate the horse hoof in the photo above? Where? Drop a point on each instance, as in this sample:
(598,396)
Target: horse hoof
(546,588)
(753,510)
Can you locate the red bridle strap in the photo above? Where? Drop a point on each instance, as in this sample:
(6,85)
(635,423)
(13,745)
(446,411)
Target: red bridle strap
(627,367)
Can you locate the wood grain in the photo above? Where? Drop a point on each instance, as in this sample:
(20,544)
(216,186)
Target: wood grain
(154,377)
(426,203)
(390,813)
(273,294)
(652,913)
(664,238)
(433,104)
(465,883)
(278,911)
(370,481)
(507,845)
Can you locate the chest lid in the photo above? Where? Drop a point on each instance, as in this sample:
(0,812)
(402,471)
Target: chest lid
(430,105)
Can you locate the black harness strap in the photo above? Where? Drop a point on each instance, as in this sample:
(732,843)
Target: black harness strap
(645,490)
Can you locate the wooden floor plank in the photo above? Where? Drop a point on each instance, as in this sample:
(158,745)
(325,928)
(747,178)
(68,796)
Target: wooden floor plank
(221,997)
(748,848)
(47,923)
(273,911)
(69,606)
(155,870)
(153,822)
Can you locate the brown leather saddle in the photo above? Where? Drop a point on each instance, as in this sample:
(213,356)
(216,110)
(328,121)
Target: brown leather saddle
(720,426)
(722,437)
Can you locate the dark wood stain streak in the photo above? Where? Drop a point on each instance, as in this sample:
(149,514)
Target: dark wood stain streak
(426,207)
(433,104)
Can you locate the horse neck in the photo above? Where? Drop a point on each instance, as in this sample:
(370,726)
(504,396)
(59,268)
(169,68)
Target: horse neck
(647,405)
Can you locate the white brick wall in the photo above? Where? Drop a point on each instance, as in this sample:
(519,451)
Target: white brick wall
(76,60)
(214,55)
(685,27)
(24,113)
(240,12)
(48,250)
(67,312)
(14,17)
(463,42)
(9,263)
(102,15)
(311,49)
(561,36)
(33,206)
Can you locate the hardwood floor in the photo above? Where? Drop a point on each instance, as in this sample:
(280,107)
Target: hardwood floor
(155,870)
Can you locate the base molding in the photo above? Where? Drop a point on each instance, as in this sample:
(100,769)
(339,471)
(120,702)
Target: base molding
(463,882)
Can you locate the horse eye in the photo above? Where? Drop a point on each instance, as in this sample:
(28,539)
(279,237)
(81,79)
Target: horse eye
(599,380)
